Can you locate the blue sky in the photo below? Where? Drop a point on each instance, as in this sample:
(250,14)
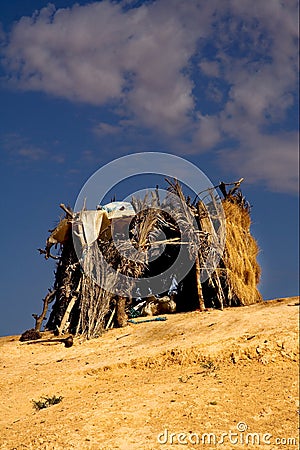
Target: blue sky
(83,83)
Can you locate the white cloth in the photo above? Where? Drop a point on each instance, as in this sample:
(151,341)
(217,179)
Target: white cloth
(92,223)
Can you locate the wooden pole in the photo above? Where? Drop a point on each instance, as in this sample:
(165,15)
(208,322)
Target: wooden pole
(39,319)
(61,328)
(66,210)
(121,314)
(111,318)
(198,283)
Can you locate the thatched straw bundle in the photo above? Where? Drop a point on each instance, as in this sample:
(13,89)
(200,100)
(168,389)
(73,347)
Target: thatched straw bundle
(240,256)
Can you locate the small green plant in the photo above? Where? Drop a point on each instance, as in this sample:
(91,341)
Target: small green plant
(45,402)
(209,366)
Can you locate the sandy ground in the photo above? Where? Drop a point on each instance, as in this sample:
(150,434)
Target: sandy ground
(213,380)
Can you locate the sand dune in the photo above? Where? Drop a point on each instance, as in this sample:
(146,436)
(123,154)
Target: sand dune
(140,386)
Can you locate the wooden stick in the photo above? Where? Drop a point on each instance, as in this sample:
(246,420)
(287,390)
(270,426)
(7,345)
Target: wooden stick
(218,286)
(49,255)
(121,314)
(67,313)
(124,335)
(67,211)
(111,318)
(199,286)
(39,319)
(68,341)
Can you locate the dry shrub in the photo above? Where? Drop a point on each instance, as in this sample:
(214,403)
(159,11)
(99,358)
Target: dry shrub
(240,256)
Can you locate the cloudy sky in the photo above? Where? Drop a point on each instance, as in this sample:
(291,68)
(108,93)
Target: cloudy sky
(83,83)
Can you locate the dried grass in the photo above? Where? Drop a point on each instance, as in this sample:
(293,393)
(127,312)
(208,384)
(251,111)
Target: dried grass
(240,256)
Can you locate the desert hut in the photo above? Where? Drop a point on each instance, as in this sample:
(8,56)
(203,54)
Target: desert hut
(105,259)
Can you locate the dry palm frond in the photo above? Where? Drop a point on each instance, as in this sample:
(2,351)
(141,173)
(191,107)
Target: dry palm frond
(145,227)
(184,216)
(147,223)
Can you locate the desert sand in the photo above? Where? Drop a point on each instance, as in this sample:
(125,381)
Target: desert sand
(211,380)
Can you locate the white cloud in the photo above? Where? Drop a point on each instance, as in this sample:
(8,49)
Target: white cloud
(98,54)
(210,68)
(272,160)
(138,61)
(208,133)
(19,149)
(33,153)
(103,128)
